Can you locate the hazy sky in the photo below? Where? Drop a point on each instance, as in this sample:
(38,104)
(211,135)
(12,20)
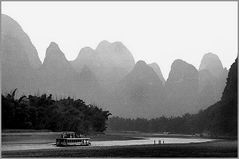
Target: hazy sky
(153,31)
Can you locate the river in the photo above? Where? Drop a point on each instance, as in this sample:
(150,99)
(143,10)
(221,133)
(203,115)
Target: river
(145,141)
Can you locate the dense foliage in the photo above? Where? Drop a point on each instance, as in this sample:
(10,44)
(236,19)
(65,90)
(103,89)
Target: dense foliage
(186,124)
(43,112)
(223,115)
(219,119)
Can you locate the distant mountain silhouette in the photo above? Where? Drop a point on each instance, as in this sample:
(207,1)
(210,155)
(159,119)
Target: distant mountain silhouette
(212,63)
(108,76)
(110,62)
(87,58)
(55,59)
(19,57)
(141,93)
(212,80)
(207,89)
(182,88)
(56,74)
(12,31)
(90,89)
(157,70)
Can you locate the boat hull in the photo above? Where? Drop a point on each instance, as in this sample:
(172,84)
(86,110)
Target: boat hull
(73,142)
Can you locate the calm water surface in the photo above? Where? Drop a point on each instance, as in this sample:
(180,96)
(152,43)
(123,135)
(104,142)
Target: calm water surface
(145,141)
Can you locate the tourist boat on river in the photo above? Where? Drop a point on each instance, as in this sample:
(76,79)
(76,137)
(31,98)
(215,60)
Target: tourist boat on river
(72,139)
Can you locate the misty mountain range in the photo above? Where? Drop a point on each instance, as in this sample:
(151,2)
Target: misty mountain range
(109,77)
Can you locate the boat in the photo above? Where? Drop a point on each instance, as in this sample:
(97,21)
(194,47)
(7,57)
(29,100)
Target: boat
(72,139)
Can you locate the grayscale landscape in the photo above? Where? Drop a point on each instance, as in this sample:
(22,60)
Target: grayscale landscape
(126,106)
